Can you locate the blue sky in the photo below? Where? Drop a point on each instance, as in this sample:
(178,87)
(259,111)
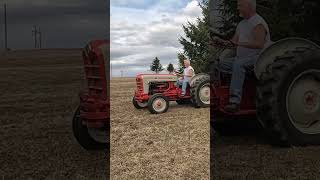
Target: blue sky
(144,29)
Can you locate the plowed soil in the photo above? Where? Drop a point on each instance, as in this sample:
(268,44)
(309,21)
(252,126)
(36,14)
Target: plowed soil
(39,94)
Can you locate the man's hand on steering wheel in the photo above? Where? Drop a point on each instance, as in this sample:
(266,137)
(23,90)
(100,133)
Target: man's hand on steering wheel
(223,43)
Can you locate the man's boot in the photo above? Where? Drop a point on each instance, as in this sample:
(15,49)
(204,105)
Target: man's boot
(232,108)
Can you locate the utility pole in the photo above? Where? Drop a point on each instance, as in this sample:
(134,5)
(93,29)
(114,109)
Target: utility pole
(35,32)
(40,37)
(37,37)
(5,28)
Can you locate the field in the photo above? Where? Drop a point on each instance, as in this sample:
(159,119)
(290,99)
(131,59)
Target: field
(248,155)
(39,94)
(174,145)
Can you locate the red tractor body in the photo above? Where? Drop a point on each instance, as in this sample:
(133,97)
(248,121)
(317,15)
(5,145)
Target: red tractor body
(94,102)
(165,87)
(220,96)
(156,90)
(91,121)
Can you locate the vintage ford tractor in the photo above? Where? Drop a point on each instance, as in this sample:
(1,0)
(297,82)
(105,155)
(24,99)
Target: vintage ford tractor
(91,121)
(154,91)
(282,91)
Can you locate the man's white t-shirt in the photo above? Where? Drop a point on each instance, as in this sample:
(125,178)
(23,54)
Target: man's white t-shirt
(186,72)
(245,32)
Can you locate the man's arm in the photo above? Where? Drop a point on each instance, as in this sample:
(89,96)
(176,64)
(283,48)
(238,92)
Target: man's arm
(259,38)
(190,73)
(235,39)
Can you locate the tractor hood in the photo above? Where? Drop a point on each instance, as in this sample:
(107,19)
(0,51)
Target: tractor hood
(145,79)
(158,77)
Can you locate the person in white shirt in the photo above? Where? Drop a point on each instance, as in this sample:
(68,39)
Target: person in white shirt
(251,37)
(185,78)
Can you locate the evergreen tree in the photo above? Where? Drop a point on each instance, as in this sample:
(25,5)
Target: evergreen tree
(170,68)
(195,45)
(156,66)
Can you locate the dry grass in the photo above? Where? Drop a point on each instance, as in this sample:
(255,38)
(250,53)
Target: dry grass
(250,156)
(174,145)
(39,93)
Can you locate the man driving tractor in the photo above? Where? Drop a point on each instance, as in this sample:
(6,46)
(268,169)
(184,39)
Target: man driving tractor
(185,78)
(251,37)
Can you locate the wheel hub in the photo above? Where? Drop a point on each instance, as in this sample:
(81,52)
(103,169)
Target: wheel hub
(303,102)
(159,104)
(311,100)
(204,94)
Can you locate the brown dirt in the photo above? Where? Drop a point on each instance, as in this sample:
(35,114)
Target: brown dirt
(173,145)
(39,94)
(250,156)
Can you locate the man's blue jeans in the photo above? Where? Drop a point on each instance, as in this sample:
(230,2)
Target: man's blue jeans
(184,85)
(237,67)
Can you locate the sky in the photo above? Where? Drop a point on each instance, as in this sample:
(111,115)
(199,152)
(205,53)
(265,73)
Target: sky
(64,23)
(144,29)
(138,30)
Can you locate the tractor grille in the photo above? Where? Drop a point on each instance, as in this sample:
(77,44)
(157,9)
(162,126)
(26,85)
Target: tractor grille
(95,74)
(139,86)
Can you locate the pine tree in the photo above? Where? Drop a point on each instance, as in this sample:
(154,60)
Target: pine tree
(170,68)
(156,66)
(195,45)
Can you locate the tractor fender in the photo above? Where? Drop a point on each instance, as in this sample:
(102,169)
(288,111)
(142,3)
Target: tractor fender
(279,48)
(197,76)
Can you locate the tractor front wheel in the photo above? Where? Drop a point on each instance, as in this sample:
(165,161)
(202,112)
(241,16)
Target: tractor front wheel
(87,137)
(158,104)
(139,105)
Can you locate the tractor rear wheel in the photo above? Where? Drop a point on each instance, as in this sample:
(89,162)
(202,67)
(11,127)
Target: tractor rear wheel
(87,137)
(200,91)
(158,104)
(139,105)
(288,98)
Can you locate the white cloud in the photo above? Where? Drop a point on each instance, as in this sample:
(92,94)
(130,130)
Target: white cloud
(139,35)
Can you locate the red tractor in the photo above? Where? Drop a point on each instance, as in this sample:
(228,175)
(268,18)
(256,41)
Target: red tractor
(282,92)
(154,91)
(91,121)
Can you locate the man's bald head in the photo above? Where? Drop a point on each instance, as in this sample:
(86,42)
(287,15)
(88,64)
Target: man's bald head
(246,8)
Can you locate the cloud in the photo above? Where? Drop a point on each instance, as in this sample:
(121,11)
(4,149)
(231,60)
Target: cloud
(64,24)
(139,35)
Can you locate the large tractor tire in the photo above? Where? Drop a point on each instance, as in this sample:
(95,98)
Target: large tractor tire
(139,105)
(89,138)
(158,104)
(200,90)
(288,98)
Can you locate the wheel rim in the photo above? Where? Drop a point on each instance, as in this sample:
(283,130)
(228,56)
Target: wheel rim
(159,104)
(303,102)
(204,94)
(145,104)
(98,135)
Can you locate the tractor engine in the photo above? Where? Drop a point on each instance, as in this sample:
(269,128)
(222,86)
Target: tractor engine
(158,87)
